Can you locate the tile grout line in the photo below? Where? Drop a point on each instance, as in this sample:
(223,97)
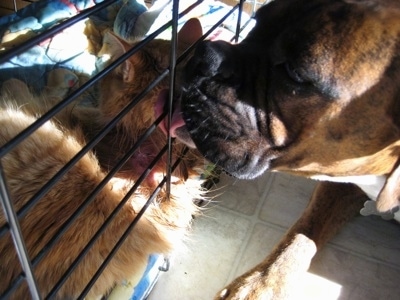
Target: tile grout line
(254,220)
(363,256)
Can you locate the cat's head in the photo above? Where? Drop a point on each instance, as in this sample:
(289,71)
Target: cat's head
(123,84)
(133,75)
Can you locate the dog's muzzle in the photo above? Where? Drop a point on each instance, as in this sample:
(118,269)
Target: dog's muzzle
(223,128)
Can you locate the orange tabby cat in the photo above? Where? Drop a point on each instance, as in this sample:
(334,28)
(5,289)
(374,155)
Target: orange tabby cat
(35,160)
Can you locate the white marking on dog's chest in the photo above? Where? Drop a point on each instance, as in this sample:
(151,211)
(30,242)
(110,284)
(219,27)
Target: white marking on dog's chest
(370,184)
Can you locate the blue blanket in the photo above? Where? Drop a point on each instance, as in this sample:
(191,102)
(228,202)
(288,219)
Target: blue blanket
(68,50)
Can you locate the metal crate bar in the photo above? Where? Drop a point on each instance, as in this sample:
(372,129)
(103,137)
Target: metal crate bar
(12,217)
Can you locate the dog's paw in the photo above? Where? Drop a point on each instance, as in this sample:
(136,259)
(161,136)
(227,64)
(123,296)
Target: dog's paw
(252,292)
(250,288)
(277,277)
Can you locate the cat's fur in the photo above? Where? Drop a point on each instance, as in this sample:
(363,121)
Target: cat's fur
(34,161)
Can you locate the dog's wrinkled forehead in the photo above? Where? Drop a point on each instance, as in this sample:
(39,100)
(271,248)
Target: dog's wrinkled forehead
(308,35)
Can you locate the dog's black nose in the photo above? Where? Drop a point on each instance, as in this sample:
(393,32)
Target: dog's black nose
(212,59)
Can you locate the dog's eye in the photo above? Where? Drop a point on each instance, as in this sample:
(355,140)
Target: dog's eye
(294,73)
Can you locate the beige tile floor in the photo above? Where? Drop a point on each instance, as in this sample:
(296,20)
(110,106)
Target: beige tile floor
(249,217)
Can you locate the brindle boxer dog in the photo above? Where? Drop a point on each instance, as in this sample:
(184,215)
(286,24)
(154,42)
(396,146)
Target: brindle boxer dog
(313,91)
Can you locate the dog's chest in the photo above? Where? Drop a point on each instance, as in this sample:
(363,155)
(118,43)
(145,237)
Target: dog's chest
(371,185)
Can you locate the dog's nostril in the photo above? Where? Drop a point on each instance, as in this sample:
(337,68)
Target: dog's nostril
(225,72)
(213,59)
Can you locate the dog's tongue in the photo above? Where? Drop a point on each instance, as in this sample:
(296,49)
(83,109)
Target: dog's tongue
(176,119)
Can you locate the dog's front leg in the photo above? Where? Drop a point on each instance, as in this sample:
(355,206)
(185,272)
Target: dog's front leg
(331,206)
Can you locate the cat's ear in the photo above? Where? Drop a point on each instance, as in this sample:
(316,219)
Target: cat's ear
(127,71)
(190,32)
(114,47)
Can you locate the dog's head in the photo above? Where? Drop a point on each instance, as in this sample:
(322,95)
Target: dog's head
(313,89)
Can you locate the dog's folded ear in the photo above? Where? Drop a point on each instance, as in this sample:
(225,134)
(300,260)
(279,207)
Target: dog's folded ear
(389,196)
